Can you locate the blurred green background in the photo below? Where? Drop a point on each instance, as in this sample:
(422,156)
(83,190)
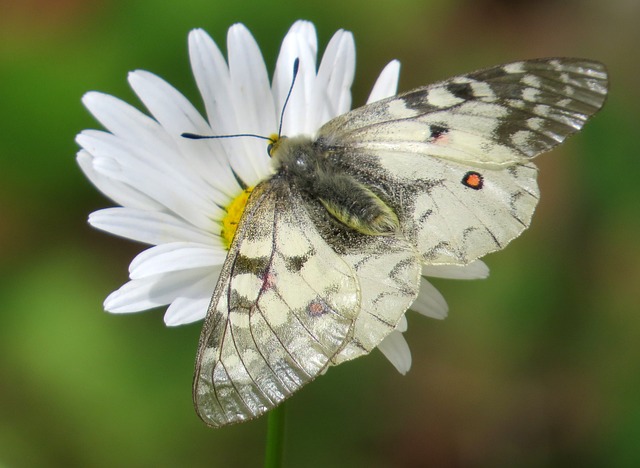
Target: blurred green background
(536,366)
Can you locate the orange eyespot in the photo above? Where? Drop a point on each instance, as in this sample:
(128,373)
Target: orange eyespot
(473,180)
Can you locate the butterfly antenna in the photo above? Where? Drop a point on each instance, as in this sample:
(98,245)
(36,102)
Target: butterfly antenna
(296,66)
(194,136)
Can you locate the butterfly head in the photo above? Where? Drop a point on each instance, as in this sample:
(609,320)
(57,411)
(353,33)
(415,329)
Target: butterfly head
(275,142)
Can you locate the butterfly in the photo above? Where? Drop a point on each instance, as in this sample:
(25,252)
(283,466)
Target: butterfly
(328,253)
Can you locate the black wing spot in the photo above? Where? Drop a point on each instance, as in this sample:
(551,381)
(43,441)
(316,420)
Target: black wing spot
(414,100)
(461,90)
(489,74)
(473,180)
(255,265)
(437,131)
(294,264)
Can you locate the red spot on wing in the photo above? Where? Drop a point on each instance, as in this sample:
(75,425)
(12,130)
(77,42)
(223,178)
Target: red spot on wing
(473,180)
(441,139)
(317,308)
(268,281)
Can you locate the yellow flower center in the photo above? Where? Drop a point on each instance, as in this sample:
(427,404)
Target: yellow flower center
(232,218)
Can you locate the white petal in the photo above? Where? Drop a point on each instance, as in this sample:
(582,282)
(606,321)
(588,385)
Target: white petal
(387,83)
(200,159)
(402,324)
(226,116)
(212,76)
(332,90)
(149,227)
(175,256)
(252,100)
(475,270)
(126,162)
(396,350)
(430,302)
(250,82)
(120,193)
(155,291)
(123,119)
(301,43)
(168,106)
(192,305)
(185,310)
(146,140)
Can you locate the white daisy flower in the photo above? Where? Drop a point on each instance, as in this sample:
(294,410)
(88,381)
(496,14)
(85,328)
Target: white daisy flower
(183,196)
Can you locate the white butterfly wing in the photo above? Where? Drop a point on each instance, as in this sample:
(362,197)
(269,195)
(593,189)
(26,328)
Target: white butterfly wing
(452,158)
(284,306)
(297,293)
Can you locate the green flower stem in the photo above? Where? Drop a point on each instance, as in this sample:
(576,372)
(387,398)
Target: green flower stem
(275,437)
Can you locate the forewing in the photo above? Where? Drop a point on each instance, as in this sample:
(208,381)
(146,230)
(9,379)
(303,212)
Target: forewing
(497,116)
(284,306)
(452,159)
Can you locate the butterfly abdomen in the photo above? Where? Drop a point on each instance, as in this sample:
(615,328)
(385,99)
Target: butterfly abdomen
(355,205)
